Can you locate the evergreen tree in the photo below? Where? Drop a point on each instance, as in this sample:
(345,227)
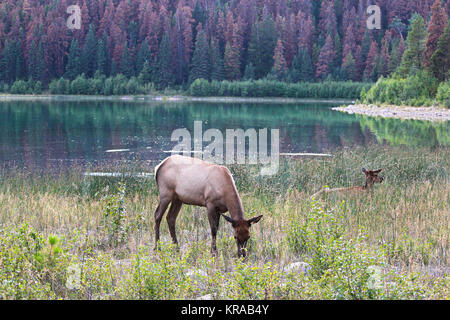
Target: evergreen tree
(8,62)
(4,75)
(145,76)
(102,58)
(440,60)
(349,67)
(201,60)
(89,53)
(126,65)
(73,66)
(436,27)
(217,72)
(279,62)
(413,58)
(231,63)
(21,72)
(370,61)
(144,55)
(325,61)
(365,47)
(164,75)
(32,62)
(249,73)
(301,68)
(262,45)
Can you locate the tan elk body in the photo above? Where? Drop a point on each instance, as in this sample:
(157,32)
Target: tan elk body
(193,181)
(371,178)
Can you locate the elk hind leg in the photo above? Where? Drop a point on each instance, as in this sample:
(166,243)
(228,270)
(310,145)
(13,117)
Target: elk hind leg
(172,218)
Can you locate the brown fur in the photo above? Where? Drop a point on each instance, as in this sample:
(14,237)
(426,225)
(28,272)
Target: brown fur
(372,177)
(196,182)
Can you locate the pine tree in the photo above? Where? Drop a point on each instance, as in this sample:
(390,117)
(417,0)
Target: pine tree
(73,66)
(370,61)
(279,62)
(217,71)
(145,76)
(324,63)
(249,73)
(231,63)
(164,75)
(32,61)
(413,58)
(436,27)
(144,55)
(201,60)
(261,47)
(102,57)
(440,60)
(349,67)
(88,54)
(126,65)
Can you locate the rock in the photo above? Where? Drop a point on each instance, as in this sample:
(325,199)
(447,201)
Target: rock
(302,267)
(205,297)
(196,273)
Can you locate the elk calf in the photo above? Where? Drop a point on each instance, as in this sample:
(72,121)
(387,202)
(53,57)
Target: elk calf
(196,182)
(372,177)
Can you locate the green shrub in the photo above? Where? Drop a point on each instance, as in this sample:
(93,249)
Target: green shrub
(80,85)
(443,94)
(273,88)
(30,267)
(416,90)
(19,87)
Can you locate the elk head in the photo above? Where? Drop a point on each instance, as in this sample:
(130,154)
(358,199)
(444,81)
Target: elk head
(241,230)
(372,177)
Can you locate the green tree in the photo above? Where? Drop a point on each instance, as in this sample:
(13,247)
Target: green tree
(249,73)
(261,48)
(217,72)
(301,66)
(440,60)
(164,75)
(201,59)
(349,67)
(413,58)
(231,63)
(126,65)
(144,55)
(102,56)
(145,76)
(88,54)
(73,66)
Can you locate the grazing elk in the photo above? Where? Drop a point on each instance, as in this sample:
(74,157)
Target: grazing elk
(371,178)
(196,182)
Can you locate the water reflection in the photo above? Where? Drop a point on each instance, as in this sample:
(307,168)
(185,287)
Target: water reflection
(44,134)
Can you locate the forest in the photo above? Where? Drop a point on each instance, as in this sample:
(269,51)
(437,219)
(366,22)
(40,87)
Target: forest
(171,43)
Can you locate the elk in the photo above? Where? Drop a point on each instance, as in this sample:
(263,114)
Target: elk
(185,180)
(372,177)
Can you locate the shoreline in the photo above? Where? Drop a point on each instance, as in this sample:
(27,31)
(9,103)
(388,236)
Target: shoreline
(165,98)
(398,112)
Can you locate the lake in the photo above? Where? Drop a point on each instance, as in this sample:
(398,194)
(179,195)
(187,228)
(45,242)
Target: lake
(44,134)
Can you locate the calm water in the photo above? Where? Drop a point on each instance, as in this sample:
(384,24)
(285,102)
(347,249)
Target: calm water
(46,134)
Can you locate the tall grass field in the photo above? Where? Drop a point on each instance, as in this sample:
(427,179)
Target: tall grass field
(66,235)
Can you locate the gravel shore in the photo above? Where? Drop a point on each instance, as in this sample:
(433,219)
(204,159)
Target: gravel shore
(400,112)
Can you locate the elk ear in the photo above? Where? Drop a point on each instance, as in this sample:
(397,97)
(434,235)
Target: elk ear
(377,171)
(254,220)
(227,218)
(364,170)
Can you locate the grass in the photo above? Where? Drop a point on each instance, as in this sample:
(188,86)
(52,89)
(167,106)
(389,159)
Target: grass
(63,235)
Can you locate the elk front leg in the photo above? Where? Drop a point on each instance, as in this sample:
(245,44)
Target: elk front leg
(214,219)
